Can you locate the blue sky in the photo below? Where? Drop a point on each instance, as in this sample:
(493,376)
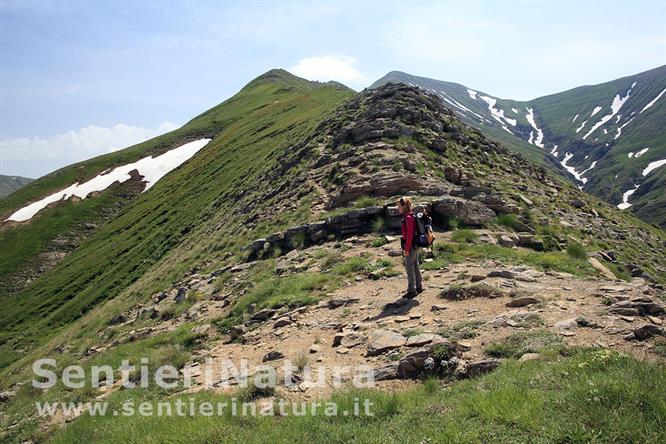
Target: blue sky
(81,79)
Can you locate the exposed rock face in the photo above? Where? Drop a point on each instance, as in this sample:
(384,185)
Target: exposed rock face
(469,212)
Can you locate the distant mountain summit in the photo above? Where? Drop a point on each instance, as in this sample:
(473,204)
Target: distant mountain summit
(9,184)
(608,138)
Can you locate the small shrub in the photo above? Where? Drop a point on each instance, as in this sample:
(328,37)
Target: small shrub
(301,361)
(576,251)
(459,292)
(464,236)
(378,225)
(298,241)
(550,243)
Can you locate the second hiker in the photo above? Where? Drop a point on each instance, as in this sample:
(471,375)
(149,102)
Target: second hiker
(415,283)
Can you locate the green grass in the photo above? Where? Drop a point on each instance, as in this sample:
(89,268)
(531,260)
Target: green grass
(576,251)
(592,396)
(517,344)
(155,239)
(450,253)
(464,236)
(366,201)
(508,221)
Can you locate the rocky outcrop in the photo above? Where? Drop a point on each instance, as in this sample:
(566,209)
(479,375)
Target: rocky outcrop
(468,212)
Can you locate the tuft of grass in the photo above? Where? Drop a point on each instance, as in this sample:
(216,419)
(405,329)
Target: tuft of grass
(461,292)
(461,330)
(365,202)
(378,225)
(508,221)
(464,236)
(517,344)
(576,250)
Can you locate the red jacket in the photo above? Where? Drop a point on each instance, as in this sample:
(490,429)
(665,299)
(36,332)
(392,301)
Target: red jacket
(408,227)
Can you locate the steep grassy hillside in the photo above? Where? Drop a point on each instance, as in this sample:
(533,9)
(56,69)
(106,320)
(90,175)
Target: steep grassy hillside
(248,130)
(9,184)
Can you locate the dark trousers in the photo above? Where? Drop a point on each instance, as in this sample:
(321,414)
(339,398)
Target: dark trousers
(415,282)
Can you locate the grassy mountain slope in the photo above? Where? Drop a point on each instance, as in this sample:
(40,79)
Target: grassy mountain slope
(603,154)
(287,152)
(9,184)
(247,130)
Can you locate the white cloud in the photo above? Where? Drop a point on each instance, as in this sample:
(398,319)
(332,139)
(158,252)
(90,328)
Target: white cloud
(325,68)
(36,156)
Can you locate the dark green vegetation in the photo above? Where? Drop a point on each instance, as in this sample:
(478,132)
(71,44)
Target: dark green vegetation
(591,396)
(9,184)
(614,172)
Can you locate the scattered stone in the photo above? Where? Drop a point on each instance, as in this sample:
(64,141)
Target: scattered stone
(263,314)
(423,339)
(201,329)
(523,301)
(381,341)
(524,274)
(586,323)
(386,372)
(655,320)
(645,332)
(117,319)
(336,303)
(241,267)
(601,268)
(314,348)
(526,200)
(342,350)
(476,278)
(351,340)
(477,368)
(282,322)
(438,307)
(506,241)
(395,253)
(567,324)
(8,395)
(181,295)
(272,356)
(237,331)
(530,357)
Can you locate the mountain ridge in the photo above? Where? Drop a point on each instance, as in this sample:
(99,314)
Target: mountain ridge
(540,132)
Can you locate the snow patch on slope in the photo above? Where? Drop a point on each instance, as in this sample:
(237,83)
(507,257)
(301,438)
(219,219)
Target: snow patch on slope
(530,118)
(581,126)
(625,198)
(471,93)
(615,108)
(152,169)
(654,100)
(498,114)
(596,110)
(653,166)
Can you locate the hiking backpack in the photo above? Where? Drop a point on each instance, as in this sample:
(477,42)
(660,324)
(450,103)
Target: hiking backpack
(423,235)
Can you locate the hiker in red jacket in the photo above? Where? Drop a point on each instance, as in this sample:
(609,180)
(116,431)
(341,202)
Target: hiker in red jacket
(415,285)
